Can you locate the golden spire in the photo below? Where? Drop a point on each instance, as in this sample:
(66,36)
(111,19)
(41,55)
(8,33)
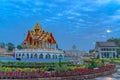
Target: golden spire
(37,27)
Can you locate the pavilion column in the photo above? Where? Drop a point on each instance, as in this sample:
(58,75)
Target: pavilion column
(25,55)
(15,55)
(50,56)
(112,54)
(55,46)
(40,44)
(100,54)
(104,55)
(115,54)
(50,46)
(62,55)
(109,54)
(44,55)
(38,55)
(32,44)
(47,45)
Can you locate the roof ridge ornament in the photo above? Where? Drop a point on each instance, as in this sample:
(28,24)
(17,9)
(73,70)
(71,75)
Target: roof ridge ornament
(37,27)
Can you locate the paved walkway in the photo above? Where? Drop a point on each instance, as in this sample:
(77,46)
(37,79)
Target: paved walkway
(115,76)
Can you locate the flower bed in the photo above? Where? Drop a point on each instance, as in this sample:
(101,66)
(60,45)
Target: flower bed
(32,64)
(64,74)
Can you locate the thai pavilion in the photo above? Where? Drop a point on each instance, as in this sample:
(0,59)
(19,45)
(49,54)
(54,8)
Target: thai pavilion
(39,44)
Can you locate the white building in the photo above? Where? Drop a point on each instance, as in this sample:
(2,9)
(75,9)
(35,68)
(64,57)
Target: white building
(75,52)
(106,50)
(39,54)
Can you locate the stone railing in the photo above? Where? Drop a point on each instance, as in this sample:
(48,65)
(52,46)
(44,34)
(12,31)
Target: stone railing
(40,50)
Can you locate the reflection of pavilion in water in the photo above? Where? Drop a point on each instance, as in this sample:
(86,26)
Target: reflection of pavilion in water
(39,45)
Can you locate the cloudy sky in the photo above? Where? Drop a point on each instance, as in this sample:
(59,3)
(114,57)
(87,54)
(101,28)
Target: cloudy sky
(80,22)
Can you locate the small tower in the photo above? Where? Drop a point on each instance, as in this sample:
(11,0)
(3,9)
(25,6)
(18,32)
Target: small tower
(74,47)
(37,28)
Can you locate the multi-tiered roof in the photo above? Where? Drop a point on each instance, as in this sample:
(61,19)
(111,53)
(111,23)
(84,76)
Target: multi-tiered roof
(38,38)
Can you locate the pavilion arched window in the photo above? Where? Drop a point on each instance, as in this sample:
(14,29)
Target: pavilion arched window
(54,56)
(19,54)
(35,56)
(60,56)
(27,55)
(41,56)
(48,56)
(31,55)
(23,55)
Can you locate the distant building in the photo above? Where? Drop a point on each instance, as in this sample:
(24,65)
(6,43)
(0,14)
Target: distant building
(2,50)
(75,52)
(106,50)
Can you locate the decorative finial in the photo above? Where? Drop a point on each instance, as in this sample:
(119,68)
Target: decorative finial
(37,27)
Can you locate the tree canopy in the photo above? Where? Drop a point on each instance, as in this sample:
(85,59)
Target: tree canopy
(2,45)
(10,46)
(116,40)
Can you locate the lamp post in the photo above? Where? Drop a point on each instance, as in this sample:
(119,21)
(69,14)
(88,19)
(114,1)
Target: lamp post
(0,66)
(60,61)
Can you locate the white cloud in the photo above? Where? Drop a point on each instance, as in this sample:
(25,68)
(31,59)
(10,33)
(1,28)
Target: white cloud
(103,1)
(54,18)
(38,3)
(70,17)
(59,14)
(79,26)
(80,20)
(71,12)
(22,1)
(115,16)
(87,9)
(117,1)
(48,20)
(51,5)
(103,36)
(48,10)
(17,6)
(60,0)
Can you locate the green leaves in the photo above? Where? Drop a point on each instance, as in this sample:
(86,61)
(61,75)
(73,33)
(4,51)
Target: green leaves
(10,46)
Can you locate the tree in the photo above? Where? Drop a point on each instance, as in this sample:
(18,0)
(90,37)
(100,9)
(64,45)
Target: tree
(19,47)
(10,46)
(2,45)
(91,51)
(116,40)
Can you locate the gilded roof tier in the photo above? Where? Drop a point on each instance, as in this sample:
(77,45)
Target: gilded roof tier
(41,35)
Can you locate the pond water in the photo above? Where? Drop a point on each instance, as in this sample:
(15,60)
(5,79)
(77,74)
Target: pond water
(35,60)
